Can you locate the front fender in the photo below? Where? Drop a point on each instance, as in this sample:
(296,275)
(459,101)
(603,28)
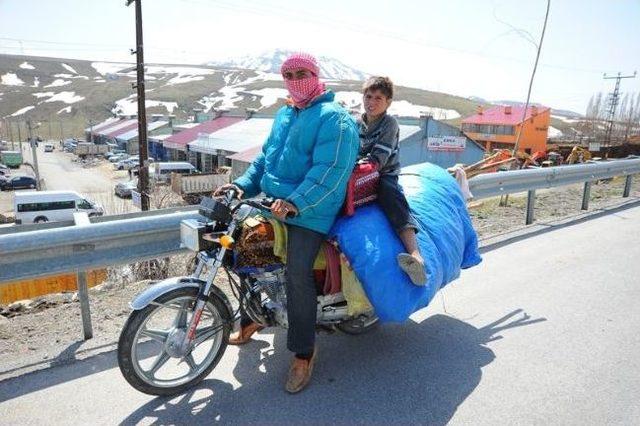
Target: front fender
(162,287)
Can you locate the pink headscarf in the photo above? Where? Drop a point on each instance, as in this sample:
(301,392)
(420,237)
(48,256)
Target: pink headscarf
(304,90)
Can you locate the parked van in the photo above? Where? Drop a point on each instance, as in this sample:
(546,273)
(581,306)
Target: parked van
(51,206)
(161,172)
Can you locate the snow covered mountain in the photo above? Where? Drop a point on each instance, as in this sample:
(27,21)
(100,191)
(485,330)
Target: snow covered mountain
(330,68)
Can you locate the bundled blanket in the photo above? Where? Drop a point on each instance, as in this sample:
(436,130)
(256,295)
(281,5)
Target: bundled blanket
(447,241)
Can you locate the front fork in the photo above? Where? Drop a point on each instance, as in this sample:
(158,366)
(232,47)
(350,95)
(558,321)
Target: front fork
(203,294)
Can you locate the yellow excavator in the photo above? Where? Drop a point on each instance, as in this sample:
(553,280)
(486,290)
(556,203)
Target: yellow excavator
(578,155)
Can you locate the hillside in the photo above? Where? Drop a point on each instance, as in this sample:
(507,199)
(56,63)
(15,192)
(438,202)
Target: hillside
(66,95)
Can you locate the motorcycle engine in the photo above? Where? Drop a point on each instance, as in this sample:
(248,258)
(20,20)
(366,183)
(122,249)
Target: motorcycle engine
(272,285)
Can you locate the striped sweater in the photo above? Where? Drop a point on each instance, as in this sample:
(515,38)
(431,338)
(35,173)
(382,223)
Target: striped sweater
(379,142)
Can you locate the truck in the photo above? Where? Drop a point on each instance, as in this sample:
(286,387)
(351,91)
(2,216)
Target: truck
(11,159)
(192,187)
(84,149)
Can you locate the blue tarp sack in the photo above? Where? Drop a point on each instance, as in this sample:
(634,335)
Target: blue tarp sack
(447,241)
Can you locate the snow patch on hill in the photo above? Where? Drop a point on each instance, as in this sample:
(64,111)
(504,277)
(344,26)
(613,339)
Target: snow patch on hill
(58,82)
(129,105)
(69,68)
(105,68)
(22,111)
(11,79)
(66,97)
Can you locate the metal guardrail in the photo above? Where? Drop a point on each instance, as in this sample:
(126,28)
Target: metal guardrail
(37,252)
(31,251)
(493,184)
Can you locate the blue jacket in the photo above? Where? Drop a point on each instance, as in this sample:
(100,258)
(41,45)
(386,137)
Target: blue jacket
(307,160)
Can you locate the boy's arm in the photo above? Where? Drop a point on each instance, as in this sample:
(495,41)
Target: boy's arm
(386,143)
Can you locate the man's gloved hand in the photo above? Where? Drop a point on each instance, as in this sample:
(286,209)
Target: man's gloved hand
(227,187)
(281,209)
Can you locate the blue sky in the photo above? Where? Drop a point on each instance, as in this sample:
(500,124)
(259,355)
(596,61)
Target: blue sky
(463,47)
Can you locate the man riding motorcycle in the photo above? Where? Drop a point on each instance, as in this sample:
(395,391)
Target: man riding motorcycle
(305,164)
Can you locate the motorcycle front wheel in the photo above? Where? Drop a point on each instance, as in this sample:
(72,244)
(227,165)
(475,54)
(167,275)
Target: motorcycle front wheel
(147,350)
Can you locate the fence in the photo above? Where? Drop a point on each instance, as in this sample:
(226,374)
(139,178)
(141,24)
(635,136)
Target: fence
(32,251)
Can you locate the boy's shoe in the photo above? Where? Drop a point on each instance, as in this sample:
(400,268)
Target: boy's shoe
(244,335)
(300,373)
(413,267)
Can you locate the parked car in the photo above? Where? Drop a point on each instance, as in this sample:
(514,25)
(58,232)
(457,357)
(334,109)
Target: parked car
(17,182)
(118,157)
(48,147)
(4,172)
(49,206)
(129,163)
(123,189)
(111,153)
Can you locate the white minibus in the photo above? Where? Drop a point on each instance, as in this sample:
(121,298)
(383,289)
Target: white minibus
(161,172)
(51,206)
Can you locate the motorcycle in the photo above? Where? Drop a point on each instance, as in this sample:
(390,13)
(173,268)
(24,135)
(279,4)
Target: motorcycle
(179,327)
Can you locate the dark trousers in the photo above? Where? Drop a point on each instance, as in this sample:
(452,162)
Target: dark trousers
(302,248)
(394,204)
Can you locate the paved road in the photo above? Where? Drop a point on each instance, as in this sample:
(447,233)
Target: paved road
(544,331)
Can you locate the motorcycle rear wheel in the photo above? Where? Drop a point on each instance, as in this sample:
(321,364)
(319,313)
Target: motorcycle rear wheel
(145,344)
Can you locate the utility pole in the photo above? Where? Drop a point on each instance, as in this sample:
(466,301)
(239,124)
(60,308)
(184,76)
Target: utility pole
(91,123)
(61,132)
(10,129)
(143,170)
(19,137)
(50,134)
(34,154)
(613,102)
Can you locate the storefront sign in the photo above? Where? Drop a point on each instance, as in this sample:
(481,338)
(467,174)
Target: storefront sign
(446,143)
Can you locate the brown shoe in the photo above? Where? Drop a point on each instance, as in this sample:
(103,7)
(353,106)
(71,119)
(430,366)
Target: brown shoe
(244,335)
(300,373)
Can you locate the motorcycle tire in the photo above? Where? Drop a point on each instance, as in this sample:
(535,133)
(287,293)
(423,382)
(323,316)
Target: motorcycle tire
(131,369)
(360,325)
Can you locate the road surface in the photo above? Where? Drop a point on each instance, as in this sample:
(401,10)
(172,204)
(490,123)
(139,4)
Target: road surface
(544,331)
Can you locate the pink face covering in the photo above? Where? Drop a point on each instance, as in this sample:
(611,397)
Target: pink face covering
(304,90)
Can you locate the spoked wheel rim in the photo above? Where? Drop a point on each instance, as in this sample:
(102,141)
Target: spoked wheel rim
(155,354)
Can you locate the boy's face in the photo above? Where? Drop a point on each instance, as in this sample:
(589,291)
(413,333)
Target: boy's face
(375,103)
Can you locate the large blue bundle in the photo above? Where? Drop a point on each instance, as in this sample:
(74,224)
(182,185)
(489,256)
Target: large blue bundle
(446,238)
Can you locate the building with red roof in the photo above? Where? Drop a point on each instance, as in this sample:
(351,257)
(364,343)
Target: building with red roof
(497,127)
(176,144)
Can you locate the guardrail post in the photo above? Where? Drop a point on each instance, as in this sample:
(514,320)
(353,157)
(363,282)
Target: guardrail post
(586,195)
(627,187)
(82,219)
(85,310)
(531,200)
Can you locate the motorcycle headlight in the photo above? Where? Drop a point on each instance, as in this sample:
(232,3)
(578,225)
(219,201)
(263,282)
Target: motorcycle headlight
(191,232)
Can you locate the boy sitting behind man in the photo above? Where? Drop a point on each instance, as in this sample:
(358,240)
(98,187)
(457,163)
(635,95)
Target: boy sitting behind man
(379,137)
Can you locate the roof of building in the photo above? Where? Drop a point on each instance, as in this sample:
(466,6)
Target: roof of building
(248,155)
(133,133)
(238,137)
(114,132)
(500,115)
(116,127)
(159,138)
(108,122)
(181,139)
(407,130)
